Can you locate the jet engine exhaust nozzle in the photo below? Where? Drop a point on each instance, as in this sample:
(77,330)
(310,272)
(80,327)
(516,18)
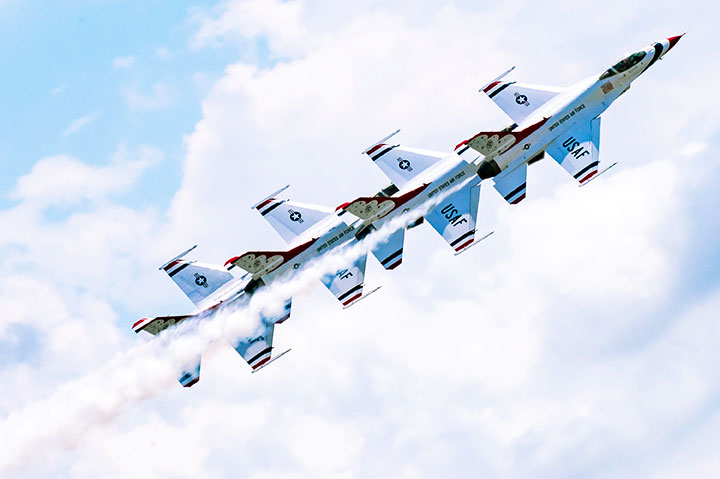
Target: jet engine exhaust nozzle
(488,169)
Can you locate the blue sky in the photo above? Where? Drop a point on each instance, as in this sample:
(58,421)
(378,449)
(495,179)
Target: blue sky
(66,61)
(579,340)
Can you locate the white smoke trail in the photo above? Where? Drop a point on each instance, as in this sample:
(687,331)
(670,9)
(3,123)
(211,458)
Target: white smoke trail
(61,421)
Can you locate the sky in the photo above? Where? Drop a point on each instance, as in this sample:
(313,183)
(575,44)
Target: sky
(579,340)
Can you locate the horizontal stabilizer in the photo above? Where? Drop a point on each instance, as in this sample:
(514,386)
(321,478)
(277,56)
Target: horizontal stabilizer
(259,263)
(155,325)
(373,208)
(497,142)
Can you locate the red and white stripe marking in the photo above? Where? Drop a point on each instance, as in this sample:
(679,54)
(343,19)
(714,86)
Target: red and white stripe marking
(465,244)
(589,175)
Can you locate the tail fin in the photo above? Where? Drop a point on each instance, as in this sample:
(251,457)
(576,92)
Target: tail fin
(196,280)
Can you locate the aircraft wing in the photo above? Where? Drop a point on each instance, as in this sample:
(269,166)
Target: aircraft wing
(399,163)
(455,218)
(577,151)
(512,184)
(518,100)
(256,351)
(196,280)
(373,208)
(291,219)
(347,284)
(190,373)
(155,325)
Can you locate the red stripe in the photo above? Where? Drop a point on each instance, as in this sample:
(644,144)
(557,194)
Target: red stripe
(138,322)
(187,385)
(352,299)
(283,318)
(592,173)
(491,86)
(467,243)
(260,363)
(519,135)
(673,40)
(264,203)
(232,260)
(462,143)
(395,265)
(171,265)
(374,149)
(519,199)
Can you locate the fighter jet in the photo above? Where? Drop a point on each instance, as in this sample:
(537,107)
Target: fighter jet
(212,289)
(298,223)
(444,187)
(562,122)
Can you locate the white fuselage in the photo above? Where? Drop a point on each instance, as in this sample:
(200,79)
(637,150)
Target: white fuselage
(581,102)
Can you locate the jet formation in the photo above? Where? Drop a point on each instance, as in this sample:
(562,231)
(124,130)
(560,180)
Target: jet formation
(443,188)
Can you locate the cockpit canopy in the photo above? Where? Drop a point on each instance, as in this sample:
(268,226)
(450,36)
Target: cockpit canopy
(624,64)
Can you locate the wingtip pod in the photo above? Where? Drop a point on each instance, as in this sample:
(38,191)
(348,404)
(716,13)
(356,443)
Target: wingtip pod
(488,86)
(267,361)
(464,247)
(260,204)
(356,299)
(167,265)
(370,149)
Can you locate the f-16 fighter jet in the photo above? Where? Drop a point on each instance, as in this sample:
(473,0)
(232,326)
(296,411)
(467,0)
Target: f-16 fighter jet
(562,122)
(213,288)
(300,223)
(312,231)
(445,183)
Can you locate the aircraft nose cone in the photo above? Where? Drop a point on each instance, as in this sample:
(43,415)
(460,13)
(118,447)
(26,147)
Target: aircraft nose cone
(673,40)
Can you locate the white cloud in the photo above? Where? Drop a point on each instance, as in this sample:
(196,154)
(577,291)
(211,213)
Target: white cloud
(161,95)
(278,22)
(65,180)
(123,62)
(561,347)
(79,123)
